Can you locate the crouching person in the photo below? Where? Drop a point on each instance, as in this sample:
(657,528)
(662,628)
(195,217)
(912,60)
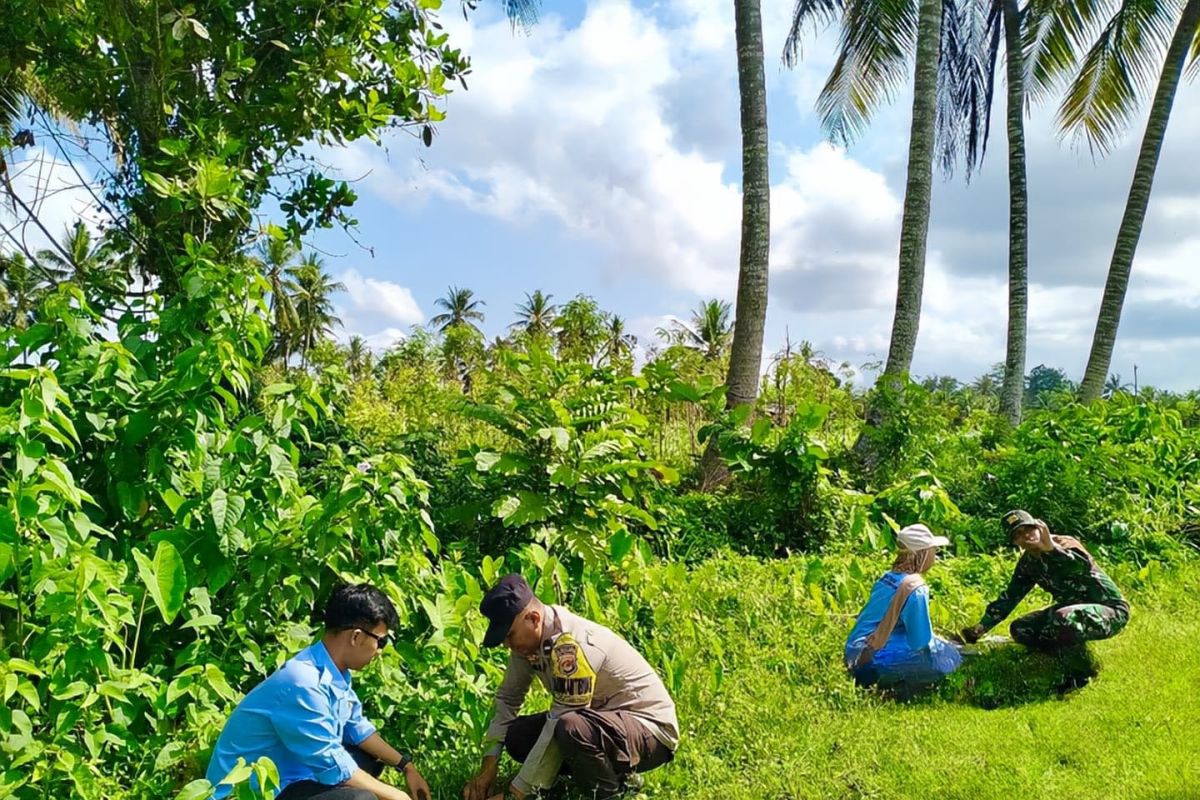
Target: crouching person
(611,715)
(307,719)
(1087,604)
(892,642)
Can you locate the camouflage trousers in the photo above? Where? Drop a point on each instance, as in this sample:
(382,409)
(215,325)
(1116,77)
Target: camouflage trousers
(1067,626)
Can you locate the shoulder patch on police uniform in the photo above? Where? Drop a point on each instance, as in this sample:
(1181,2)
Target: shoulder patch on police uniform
(572,679)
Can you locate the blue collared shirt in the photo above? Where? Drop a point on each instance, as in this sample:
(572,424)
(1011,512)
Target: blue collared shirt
(301,717)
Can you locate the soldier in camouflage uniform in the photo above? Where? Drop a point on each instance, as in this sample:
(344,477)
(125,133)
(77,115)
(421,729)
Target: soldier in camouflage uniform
(1087,604)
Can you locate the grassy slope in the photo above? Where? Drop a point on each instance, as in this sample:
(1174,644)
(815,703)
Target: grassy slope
(785,723)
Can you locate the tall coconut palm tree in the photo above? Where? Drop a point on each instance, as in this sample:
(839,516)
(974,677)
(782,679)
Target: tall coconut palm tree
(708,332)
(1012,390)
(1115,73)
(23,286)
(358,356)
(460,309)
(535,316)
(978,56)
(941,44)
(618,344)
(745,358)
(878,39)
(275,257)
(85,261)
(311,292)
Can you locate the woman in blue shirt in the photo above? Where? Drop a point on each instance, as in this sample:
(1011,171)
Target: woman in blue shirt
(900,647)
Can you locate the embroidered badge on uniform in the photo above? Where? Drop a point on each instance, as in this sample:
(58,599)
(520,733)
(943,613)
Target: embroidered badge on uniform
(567,660)
(572,679)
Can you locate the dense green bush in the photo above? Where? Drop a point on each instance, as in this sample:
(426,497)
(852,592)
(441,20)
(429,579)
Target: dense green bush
(1121,473)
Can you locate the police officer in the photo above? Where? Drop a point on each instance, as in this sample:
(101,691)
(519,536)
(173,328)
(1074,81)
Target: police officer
(1087,604)
(611,715)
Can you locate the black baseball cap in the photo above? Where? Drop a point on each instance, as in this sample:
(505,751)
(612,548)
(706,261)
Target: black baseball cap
(501,605)
(1015,520)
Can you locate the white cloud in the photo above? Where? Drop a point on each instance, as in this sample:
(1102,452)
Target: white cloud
(385,299)
(622,132)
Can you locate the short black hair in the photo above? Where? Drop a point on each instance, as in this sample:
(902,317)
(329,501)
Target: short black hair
(359,606)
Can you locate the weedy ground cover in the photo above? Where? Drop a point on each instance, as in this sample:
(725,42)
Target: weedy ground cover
(768,712)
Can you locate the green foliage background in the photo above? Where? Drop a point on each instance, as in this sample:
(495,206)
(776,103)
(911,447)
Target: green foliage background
(178,495)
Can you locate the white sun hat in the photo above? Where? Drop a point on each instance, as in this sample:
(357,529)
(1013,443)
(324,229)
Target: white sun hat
(917,537)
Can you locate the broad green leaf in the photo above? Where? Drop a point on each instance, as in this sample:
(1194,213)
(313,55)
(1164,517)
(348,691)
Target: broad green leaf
(56,530)
(173,500)
(505,506)
(165,579)
(171,753)
(29,454)
(218,503)
(620,545)
(23,666)
(203,621)
(485,460)
(27,691)
(217,682)
(239,774)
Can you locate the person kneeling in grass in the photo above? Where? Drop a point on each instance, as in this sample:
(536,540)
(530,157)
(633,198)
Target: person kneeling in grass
(892,642)
(307,719)
(611,716)
(1087,604)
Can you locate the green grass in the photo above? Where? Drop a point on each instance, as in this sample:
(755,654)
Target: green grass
(768,712)
(787,723)
(1133,732)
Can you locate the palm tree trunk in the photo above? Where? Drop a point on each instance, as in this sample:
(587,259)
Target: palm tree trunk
(1013,389)
(745,359)
(914,225)
(1100,358)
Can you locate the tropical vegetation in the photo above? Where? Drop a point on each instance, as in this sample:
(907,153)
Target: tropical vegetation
(192,455)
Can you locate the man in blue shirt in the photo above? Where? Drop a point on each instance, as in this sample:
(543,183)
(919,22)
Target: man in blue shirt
(307,719)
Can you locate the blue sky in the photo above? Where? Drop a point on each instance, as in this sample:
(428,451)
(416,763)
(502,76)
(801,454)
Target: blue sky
(599,153)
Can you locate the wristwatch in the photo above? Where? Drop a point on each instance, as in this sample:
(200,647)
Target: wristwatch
(404,762)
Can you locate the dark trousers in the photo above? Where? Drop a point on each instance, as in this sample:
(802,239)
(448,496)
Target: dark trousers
(599,747)
(1060,627)
(311,790)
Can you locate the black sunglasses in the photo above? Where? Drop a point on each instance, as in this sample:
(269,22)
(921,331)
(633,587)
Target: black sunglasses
(380,641)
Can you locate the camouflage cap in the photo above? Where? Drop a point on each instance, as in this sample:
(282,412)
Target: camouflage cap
(1015,519)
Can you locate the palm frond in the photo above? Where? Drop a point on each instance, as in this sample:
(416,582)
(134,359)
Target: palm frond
(1119,69)
(877,38)
(1193,67)
(1055,32)
(818,14)
(966,81)
(522,12)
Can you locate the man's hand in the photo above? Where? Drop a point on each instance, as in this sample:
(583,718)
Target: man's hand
(1047,544)
(482,785)
(972,634)
(417,786)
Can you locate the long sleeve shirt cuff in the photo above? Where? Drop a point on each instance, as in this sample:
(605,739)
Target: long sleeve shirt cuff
(340,771)
(521,785)
(358,733)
